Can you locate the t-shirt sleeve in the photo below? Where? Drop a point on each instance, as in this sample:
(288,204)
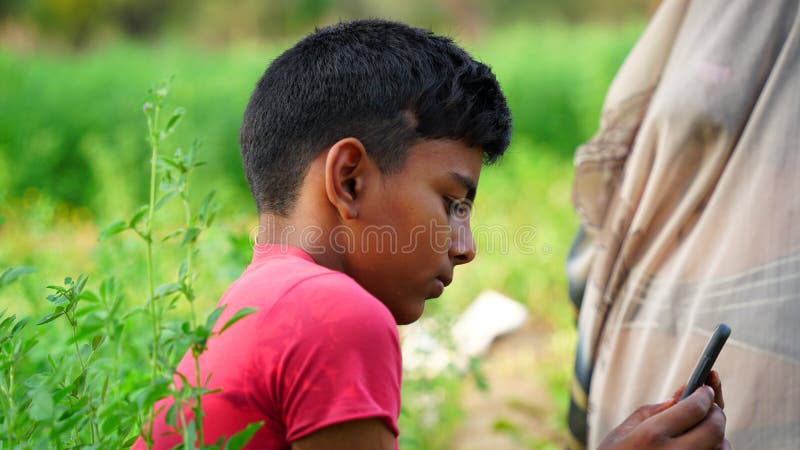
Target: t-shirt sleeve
(342,357)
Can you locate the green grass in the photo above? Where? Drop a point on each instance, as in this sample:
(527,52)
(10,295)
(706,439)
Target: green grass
(73,158)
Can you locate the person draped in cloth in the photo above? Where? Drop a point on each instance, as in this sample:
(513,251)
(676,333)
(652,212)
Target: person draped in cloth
(688,198)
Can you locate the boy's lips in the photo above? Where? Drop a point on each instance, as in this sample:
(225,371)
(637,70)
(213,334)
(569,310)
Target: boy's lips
(438,288)
(440,283)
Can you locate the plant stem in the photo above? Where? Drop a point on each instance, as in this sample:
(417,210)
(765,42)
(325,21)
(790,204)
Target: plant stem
(154,140)
(9,394)
(73,324)
(152,126)
(93,418)
(198,405)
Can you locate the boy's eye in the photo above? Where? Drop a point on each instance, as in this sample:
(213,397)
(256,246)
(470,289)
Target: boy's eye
(458,208)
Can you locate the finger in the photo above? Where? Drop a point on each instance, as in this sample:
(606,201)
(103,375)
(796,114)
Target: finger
(709,434)
(632,422)
(725,445)
(716,383)
(643,413)
(685,414)
(677,394)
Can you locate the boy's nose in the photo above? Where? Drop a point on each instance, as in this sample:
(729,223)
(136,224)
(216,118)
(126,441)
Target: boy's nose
(462,248)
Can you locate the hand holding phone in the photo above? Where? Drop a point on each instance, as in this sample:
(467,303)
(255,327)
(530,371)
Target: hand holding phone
(707,359)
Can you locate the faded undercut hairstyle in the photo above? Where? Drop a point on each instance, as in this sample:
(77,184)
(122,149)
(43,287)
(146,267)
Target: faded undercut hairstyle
(387,84)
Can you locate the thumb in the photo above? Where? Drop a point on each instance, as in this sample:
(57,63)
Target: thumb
(686,413)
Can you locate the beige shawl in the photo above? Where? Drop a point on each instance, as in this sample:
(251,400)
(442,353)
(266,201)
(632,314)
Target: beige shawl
(689,197)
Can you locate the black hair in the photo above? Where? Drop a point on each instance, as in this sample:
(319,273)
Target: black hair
(385,83)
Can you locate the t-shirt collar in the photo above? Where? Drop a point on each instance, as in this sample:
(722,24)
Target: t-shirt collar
(264,252)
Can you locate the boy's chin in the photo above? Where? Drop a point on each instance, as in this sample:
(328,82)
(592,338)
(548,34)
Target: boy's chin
(409,314)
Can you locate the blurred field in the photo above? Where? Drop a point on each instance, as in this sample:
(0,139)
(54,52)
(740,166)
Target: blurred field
(73,158)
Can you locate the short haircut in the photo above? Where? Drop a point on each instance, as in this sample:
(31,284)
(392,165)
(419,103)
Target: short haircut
(385,83)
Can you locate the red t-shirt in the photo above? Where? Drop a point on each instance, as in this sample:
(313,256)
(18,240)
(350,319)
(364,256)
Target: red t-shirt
(319,351)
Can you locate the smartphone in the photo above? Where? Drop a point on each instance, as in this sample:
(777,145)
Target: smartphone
(707,359)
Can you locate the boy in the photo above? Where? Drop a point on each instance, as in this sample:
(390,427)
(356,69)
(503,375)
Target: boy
(362,146)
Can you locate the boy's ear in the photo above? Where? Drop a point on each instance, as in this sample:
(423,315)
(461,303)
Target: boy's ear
(346,168)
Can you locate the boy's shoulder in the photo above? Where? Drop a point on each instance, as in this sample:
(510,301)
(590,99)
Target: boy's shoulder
(286,282)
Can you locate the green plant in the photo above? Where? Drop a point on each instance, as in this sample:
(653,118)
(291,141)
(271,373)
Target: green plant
(81,389)
(173,176)
(12,351)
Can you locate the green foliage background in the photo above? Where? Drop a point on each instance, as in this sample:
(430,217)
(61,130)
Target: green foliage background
(73,158)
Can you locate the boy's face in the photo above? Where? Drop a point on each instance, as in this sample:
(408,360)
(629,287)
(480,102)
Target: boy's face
(414,226)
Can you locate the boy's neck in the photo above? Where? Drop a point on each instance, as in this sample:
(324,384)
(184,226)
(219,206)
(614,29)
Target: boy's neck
(312,238)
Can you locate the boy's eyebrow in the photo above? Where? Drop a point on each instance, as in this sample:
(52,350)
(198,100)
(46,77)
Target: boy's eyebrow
(469,184)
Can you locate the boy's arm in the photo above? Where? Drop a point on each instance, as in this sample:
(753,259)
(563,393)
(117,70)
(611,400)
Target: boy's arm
(339,362)
(368,434)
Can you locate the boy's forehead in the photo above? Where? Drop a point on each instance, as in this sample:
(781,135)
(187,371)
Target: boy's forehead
(444,162)
(445,157)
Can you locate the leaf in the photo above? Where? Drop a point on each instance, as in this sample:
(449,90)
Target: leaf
(241,314)
(164,161)
(111,294)
(175,119)
(201,334)
(13,273)
(7,321)
(172,415)
(129,443)
(109,424)
(97,341)
(116,227)
(191,434)
(78,383)
(157,389)
(167,289)
(51,317)
(208,209)
(184,269)
(28,345)
(80,284)
(58,300)
(19,325)
(41,406)
(163,200)
(188,159)
(505,426)
(172,235)
(133,311)
(219,445)
(168,182)
(90,297)
(240,439)
(214,316)
(138,216)
(477,373)
(73,421)
(190,236)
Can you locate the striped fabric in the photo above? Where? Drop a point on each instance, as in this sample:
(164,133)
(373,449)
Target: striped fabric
(689,197)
